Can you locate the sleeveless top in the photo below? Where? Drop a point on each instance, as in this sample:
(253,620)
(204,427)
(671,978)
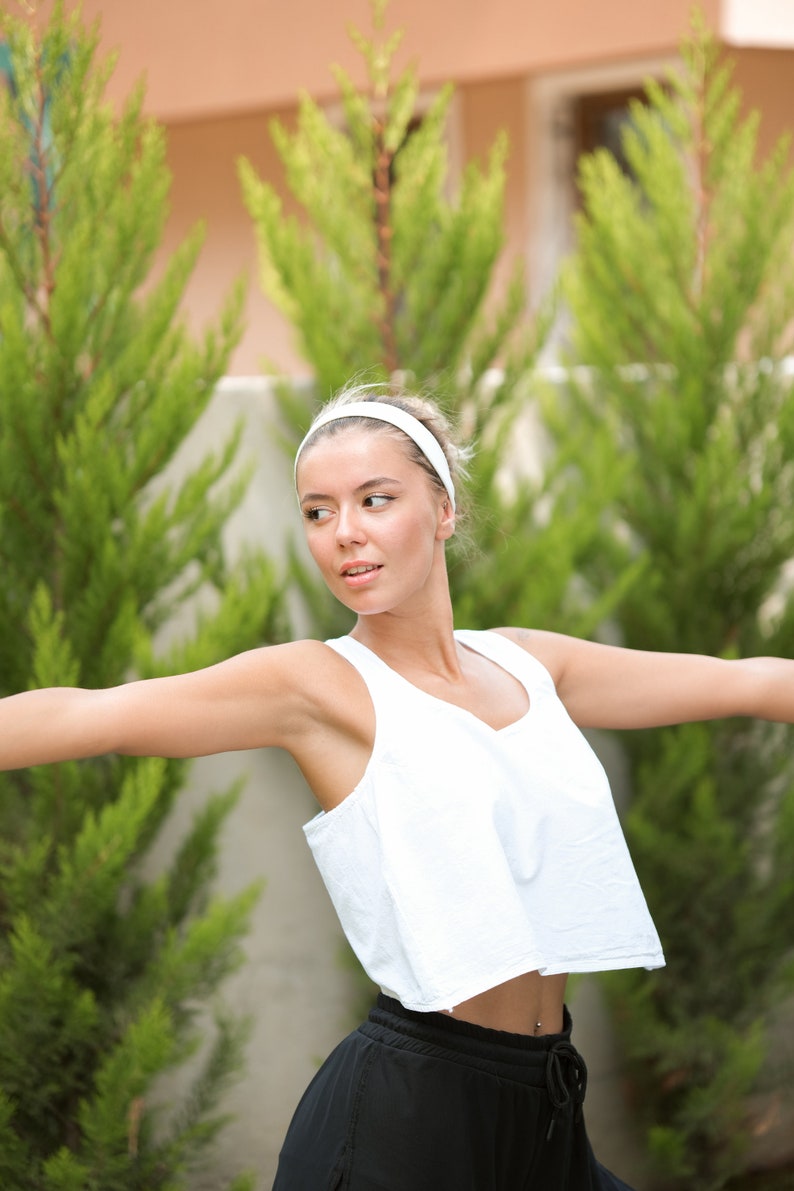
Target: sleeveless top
(468,855)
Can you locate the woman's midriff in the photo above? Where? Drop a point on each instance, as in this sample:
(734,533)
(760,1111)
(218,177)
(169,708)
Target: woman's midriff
(528,1004)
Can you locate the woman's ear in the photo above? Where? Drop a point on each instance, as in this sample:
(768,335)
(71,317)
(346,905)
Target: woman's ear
(446,521)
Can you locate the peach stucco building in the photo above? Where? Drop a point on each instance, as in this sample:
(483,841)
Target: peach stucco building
(555,76)
(217,71)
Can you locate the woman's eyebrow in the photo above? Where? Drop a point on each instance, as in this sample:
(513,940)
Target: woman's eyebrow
(375,482)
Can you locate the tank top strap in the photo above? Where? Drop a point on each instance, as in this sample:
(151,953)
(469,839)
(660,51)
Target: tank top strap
(511,657)
(494,646)
(371,668)
(393,698)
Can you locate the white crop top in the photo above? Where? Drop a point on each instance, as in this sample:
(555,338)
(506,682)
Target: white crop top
(466,855)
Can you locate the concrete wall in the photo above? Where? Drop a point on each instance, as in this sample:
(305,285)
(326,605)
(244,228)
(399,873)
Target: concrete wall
(294,984)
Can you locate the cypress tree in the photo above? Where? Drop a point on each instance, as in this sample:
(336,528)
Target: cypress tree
(102,971)
(680,293)
(387,274)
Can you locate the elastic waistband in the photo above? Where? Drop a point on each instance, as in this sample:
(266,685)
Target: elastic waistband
(550,1061)
(442,1031)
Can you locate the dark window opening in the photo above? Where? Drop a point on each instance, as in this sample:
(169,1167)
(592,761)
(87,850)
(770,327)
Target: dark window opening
(600,121)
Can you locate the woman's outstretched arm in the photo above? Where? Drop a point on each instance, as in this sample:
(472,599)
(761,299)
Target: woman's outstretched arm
(256,699)
(605,686)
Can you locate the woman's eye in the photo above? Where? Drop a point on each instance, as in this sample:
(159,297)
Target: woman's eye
(376,500)
(316,513)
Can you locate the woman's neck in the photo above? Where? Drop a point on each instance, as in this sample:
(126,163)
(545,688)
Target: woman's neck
(423,641)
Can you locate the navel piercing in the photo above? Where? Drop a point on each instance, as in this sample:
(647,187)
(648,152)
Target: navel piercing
(538,1024)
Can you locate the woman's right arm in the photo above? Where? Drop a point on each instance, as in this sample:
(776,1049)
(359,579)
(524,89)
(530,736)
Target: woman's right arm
(253,700)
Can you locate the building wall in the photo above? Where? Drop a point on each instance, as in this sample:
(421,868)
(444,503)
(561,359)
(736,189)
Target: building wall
(533,108)
(211,56)
(219,70)
(488,108)
(203,156)
(766,79)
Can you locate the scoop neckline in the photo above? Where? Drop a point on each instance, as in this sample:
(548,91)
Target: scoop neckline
(455,707)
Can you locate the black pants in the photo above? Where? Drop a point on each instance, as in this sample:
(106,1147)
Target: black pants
(424,1102)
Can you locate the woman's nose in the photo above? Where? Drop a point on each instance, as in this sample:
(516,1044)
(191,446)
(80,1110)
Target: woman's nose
(349,528)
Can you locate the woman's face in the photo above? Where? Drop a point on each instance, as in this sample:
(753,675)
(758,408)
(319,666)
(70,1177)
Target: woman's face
(375,523)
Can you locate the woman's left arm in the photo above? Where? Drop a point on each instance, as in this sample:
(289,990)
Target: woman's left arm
(605,686)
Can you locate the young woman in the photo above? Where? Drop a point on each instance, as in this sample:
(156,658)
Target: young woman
(467,835)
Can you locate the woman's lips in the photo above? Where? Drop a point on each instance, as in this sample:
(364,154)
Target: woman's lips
(358,574)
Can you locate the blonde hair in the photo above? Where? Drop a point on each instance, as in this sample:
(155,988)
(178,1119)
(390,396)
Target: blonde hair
(425,411)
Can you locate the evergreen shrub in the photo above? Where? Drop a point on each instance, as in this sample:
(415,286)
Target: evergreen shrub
(680,295)
(388,274)
(106,976)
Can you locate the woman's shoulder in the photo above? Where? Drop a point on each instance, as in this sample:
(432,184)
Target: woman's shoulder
(550,649)
(333,729)
(330,687)
(306,664)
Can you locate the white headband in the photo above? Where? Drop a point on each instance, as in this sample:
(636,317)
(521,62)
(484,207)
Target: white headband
(427,443)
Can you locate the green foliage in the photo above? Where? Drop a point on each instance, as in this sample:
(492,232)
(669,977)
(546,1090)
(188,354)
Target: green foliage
(680,294)
(382,240)
(103,972)
(671,464)
(388,273)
